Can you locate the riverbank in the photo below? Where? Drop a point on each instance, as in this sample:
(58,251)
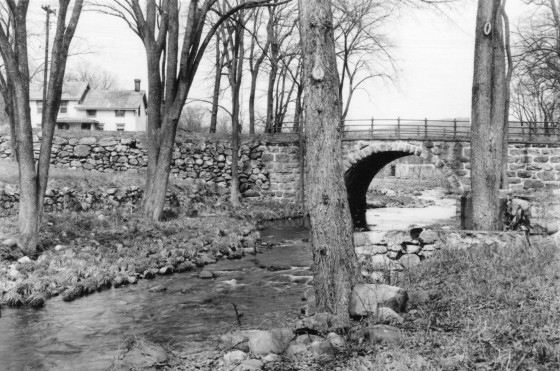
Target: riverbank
(81,253)
(484,308)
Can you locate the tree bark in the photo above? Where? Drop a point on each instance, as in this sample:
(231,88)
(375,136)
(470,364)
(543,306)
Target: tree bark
(488,109)
(335,263)
(217,81)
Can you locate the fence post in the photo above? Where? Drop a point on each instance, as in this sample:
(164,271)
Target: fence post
(398,127)
(454,128)
(425,127)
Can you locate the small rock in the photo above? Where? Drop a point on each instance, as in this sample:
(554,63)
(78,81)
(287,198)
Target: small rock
(271,358)
(375,333)
(366,298)
(428,237)
(24,260)
(59,247)
(234,357)
(13,274)
(272,341)
(10,242)
(132,279)
(409,260)
(158,288)
(336,340)
(166,270)
(295,348)
(206,274)
(249,365)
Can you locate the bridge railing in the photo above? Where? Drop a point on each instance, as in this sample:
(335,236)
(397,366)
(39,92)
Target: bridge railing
(444,130)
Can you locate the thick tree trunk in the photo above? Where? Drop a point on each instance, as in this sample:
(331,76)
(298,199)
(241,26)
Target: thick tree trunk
(335,263)
(234,193)
(11,113)
(488,103)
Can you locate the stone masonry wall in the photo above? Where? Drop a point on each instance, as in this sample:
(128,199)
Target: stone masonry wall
(268,167)
(382,254)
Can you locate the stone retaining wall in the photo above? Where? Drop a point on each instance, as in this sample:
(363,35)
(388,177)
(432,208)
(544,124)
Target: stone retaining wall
(66,199)
(384,253)
(268,166)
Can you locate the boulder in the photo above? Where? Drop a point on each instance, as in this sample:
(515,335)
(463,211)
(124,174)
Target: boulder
(272,341)
(366,298)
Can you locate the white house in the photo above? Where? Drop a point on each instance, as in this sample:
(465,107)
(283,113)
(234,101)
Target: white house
(87,109)
(73,94)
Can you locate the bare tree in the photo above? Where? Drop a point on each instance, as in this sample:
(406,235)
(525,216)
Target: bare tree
(335,262)
(33,180)
(218,71)
(233,35)
(96,77)
(488,110)
(360,44)
(171,70)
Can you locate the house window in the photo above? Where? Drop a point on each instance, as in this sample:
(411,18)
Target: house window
(63,126)
(91,113)
(86,126)
(39,106)
(119,113)
(120,127)
(64,106)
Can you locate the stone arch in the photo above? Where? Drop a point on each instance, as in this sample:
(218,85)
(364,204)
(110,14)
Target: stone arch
(361,166)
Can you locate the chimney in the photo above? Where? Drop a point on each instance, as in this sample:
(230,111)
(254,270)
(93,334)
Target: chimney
(136,84)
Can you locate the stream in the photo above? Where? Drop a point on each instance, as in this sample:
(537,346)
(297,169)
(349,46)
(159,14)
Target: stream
(191,314)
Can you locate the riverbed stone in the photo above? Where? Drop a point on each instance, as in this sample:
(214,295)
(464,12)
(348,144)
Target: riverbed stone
(206,274)
(365,298)
(157,288)
(143,355)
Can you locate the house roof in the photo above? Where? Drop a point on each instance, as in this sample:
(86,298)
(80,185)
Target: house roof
(113,100)
(72,90)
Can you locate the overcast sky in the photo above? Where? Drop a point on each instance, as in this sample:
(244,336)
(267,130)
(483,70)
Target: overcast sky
(434,53)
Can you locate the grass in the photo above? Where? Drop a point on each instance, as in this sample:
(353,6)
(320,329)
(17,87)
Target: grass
(490,308)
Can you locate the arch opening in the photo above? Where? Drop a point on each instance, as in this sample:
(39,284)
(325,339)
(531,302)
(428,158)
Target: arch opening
(364,165)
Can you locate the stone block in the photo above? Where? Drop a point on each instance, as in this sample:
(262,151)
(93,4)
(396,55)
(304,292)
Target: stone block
(366,298)
(531,183)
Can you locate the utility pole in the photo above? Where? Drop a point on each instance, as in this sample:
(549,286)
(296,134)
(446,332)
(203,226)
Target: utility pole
(49,11)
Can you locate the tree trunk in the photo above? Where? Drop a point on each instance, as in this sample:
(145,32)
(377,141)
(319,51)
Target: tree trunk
(216,94)
(270,95)
(488,108)
(252,93)
(10,110)
(335,262)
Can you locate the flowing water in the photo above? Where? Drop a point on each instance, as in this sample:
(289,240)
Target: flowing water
(266,288)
